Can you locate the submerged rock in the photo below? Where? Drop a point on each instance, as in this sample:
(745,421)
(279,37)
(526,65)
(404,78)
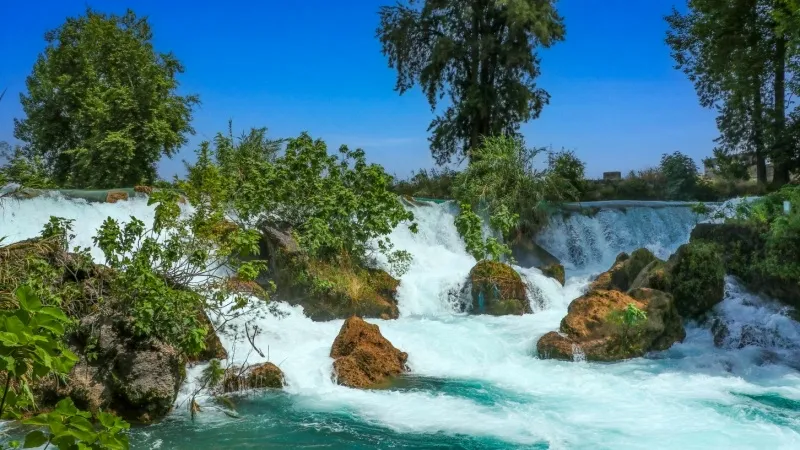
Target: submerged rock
(326,290)
(497,289)
(590,327)
(696,278)
(363,357)
(259,376)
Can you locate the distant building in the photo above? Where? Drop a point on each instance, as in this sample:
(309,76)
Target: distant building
(612,176)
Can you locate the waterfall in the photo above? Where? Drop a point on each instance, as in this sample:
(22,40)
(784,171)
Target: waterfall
(476,382)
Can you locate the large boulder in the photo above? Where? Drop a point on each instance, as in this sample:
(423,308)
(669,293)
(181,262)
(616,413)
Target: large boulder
(326,290)
(556,272)
(593,327)
(363,357)
(624,271)
(259,376)
(137,378)
(497,289)
(696,278)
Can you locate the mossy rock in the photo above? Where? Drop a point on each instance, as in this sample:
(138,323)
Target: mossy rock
(653,276)
(497,289)
(556,272)
(623,273)
(696,277)
(745,254)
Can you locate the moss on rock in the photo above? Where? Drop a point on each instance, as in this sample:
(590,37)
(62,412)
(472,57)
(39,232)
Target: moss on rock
(696,278)
(327,289)
(556,272)
(497,289)
(259,376)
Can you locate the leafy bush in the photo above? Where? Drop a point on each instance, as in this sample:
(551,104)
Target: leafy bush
(566,166)
(629,320)
(680,172)
(167,275)
(470,227)
(23,167)
(333,205)
(501,177)
(31,348)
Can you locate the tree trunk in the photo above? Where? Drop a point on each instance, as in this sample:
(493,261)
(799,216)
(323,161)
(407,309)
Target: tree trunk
(758,135)
(780,156)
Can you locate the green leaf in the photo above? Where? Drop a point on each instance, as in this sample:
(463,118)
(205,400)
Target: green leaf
(35,439)
(27,298)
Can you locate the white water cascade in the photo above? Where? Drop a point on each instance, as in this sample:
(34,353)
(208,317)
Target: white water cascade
(693,396)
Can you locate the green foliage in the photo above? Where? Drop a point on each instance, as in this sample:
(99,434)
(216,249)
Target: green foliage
(739,56)
(101,106)
(502,180)
(167,274)
(68,428)
(433,183)
(629,320)
(481,54)
(333,204)
(31,347)
(23,167)
(565,165)
(680,172)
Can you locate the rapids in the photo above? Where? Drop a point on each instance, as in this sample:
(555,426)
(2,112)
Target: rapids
(475,381)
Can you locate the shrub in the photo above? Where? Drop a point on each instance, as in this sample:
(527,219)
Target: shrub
(566,166)
(501,177)
(680,172)
(433,183)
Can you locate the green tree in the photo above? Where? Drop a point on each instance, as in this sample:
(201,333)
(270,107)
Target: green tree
(681,174)
(739,54)
(23,167)
(481,54)
(102,104)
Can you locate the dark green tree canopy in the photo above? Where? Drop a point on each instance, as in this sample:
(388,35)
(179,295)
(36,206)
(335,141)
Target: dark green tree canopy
(478,53)
(102,107)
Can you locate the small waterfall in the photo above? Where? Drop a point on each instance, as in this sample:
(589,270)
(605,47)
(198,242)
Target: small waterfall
(591,243)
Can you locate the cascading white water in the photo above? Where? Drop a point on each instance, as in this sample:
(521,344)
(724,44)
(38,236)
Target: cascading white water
(694,395)
(586,243)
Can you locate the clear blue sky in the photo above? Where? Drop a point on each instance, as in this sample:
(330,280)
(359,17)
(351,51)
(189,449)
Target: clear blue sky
(316,66)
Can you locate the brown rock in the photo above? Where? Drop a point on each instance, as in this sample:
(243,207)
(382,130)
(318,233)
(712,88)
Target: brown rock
(624,271)
(363,357)
(144,189)
(555,346)
(259,376)
(115,196)
(590,326)
(214,348)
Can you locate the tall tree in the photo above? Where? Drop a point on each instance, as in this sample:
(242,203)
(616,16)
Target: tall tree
(742,57)
(719,44)
(102,104)
(480,54)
